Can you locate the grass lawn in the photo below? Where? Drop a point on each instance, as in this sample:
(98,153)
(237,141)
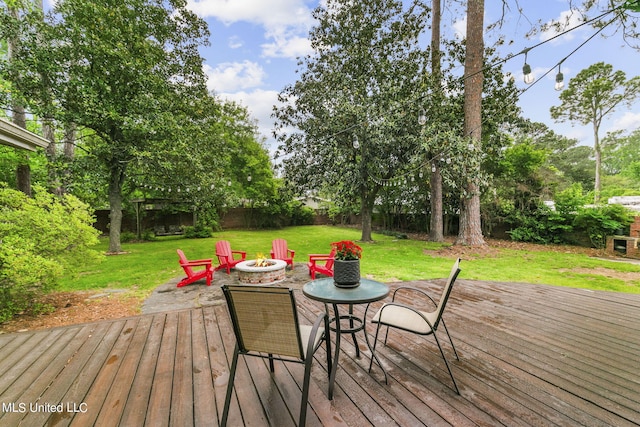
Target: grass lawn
(148,265)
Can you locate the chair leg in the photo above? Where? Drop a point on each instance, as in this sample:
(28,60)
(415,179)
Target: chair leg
(450,340)
(227,399)
(271,366)
(446,363)
(327,337)
(375,342)
(305,391)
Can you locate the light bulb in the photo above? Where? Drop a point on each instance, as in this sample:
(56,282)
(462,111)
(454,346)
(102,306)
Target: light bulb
(422,118)
(559,81)
(528,77)
(356,143)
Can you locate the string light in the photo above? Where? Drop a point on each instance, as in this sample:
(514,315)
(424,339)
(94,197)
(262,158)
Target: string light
(526,70)
(422,118)
(559,80)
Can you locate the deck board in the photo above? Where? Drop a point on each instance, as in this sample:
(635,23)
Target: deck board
(529,355)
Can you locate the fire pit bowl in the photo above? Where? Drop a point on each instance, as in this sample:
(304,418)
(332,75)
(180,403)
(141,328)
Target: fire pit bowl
(250,274)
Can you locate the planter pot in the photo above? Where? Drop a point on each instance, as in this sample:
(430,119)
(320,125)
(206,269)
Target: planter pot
(346,274)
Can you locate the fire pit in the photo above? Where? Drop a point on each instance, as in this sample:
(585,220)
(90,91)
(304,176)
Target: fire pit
(261,271)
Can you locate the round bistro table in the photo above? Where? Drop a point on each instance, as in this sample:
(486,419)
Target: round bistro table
(325,291)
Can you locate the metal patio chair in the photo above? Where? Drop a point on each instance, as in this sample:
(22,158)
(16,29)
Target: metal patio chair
(421,321)
(265,323)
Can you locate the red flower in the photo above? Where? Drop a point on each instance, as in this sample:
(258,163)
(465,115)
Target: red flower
(347,250)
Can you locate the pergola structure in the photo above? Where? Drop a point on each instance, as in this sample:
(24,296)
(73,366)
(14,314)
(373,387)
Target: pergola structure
(15,136)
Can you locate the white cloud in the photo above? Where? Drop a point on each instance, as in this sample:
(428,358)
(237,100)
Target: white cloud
(235,42)
(231,76)
(287,47)
(582,134)
(286,22)
(628,122)
(460,28)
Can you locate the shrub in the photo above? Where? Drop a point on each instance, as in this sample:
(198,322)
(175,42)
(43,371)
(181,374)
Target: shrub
(42,238)
(199,231)
(602,221)
(301,215)
(128,237)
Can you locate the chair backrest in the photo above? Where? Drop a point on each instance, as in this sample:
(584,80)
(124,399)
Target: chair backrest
(279,248)
(332,256)
(223,247)
(183,262)
(264,319)
(444,297)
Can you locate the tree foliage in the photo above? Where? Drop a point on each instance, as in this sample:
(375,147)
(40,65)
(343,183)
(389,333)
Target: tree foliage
(127,70)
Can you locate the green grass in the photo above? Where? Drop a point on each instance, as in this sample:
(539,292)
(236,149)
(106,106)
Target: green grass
(148,265)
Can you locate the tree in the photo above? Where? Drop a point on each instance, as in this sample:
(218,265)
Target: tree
(436,226)
(18,116)
(591,95)
(470,232)
(128,70)
(353,127)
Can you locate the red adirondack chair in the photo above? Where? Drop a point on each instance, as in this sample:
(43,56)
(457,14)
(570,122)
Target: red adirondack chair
(280,250)
(225,256)
(192,275)
(326,268)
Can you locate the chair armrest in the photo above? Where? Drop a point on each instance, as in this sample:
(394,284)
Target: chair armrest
(243,254)
(312,335)
(318,256)
(408,288)
(314,260)
(291,252)
(200,261)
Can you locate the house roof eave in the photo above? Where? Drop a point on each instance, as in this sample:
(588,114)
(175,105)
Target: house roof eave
(15,136)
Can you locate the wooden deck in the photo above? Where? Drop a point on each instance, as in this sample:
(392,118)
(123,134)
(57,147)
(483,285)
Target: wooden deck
(530,355)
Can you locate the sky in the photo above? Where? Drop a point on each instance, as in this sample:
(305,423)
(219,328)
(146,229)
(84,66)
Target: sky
(255,45)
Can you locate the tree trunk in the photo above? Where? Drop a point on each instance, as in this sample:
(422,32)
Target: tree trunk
(23,178)
(365,217)
(48,133)
(598,154)
(436,231)
(436,228)
(367,200)
(470,232)
(69,141)
(23,170)
(115,205)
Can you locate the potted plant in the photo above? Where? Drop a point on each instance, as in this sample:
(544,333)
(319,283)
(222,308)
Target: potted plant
(346,267)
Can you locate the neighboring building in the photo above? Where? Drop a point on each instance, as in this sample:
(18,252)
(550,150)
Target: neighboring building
(15,136)
(631,202)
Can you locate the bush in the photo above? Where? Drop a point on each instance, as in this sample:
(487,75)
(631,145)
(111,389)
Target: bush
(301,215)
(542,226)
(42,238)
(199,231)
(602,221)
(128,237)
